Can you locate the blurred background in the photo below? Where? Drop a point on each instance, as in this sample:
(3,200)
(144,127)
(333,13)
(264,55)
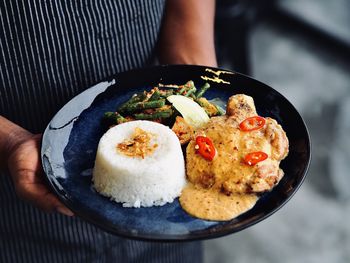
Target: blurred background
(302,49)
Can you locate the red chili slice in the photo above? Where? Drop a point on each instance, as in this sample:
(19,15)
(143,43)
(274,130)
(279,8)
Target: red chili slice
(252,123)
(205,147)
(255,157)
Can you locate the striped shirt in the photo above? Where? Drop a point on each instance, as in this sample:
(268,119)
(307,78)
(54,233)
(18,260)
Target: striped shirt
(51,50)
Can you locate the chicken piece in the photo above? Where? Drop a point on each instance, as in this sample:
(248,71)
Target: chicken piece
(183,130)
(266,175)
(278,139)
(228,172)
(240,107)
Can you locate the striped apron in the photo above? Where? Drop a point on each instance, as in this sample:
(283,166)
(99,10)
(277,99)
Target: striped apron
(50,51)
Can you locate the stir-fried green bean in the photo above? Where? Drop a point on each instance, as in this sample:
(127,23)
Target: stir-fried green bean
(182,90)
(221,111)
(166,93)
(113,117)
(131,108)
(210,108)
(202,90)
(134,99)
(155,95)
(154,116)
(190,92)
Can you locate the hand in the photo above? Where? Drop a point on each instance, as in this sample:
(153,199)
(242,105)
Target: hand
(27,175)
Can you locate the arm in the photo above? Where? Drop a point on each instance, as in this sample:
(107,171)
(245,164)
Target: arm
(20,154)
(187,33)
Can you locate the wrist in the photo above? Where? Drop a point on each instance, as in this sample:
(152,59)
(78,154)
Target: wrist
(197,57)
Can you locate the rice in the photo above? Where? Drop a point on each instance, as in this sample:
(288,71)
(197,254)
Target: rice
(156,179)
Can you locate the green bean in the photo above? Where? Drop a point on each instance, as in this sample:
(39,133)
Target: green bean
(166,93)
(202,90)
(113,117)
(190,84)
(134,99)
(155,95)
(154,116)
(110,116)
(145,105)
(210,108)
(190,92)
(202,103)
(182,90)
(221,111)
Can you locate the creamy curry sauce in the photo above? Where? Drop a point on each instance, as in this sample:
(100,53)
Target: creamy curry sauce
(210,204)
(220,189)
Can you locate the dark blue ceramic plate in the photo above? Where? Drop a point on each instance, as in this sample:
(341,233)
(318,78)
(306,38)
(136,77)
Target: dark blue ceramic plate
(71,138)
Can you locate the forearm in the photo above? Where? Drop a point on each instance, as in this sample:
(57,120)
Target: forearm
(187,33)
(10,135)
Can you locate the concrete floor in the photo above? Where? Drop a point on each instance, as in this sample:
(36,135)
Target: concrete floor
(314,226)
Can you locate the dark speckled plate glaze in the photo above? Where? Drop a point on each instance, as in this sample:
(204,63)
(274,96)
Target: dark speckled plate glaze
(71,138)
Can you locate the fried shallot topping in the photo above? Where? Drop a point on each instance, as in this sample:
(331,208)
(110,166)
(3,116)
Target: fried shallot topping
(139,145)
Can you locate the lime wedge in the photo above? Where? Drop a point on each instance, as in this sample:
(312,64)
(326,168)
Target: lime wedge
(191,111)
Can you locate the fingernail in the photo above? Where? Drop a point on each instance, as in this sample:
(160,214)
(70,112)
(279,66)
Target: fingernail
(65,211)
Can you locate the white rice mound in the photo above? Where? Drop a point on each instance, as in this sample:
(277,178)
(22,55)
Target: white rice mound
(153,181)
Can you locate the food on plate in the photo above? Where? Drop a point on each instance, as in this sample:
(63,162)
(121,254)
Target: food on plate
(232,156)
(231,160)
(139,163)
